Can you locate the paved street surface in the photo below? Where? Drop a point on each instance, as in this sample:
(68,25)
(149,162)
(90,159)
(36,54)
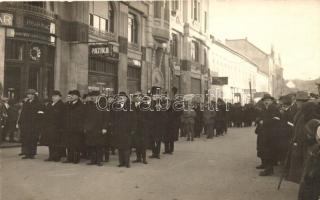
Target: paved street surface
(218,169)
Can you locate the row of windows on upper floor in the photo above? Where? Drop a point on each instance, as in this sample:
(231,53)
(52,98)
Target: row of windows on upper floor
(176,5)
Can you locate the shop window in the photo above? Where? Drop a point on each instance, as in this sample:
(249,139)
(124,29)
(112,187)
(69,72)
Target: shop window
(102,66)
(132,29)
(134,79)
(14,50)
(195,51)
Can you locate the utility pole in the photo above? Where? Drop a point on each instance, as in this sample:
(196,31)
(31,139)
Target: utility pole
(250,91)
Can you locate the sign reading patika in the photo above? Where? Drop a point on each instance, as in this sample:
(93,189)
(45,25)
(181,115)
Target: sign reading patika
(6,19)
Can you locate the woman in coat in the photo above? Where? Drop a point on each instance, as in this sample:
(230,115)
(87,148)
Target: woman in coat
(209,121)
(53,126)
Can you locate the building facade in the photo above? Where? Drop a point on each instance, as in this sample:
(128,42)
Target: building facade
(239,70)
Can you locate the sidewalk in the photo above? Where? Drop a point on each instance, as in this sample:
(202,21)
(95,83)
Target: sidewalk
(9,145)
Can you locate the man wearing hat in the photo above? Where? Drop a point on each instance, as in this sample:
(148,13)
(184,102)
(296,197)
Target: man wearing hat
(268,118)
(73,136)
(95,129)
(29,121)
(53,126)
(123,128)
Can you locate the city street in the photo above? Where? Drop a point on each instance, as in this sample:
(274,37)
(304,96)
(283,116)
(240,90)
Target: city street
(218,169)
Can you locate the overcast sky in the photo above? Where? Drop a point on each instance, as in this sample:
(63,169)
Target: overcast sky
(292,26)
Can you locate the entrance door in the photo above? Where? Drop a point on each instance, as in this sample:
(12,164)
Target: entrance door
(12,80)
(34,78)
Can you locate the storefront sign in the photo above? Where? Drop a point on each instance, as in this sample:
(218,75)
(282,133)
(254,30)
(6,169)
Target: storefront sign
(39,24)
(6,19)
(31,35)
(103,50)
(219,81)
(133,62)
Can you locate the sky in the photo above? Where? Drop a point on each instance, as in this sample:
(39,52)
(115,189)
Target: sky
(291,26)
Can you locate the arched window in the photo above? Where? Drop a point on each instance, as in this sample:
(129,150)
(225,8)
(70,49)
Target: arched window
(111,17)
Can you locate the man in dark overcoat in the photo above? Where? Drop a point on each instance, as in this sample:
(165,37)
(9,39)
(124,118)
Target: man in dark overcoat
(159,124)
(73,135)
(29,124)
(95,129)
(123,128)
(143,128)
(53,126)
(172,134)
(270,114)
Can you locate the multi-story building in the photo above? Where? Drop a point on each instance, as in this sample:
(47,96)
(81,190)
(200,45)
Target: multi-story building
(189,48)
(111,46)
(241,74)
(267,63)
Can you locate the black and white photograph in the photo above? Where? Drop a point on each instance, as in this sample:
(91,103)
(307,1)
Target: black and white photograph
(160,100)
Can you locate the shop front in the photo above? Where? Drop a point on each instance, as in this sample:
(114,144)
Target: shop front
(103,68)
(134,76)
(29,57)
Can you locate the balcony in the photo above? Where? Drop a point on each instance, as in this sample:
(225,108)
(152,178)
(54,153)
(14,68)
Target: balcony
(102,34)
(27,9)
(161,30)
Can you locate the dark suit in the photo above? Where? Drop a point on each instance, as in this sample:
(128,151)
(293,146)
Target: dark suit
(29,123)
(94,138)
(73,136)
(54,125)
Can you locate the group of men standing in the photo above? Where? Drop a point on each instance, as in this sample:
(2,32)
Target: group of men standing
(288,133)
(85,128)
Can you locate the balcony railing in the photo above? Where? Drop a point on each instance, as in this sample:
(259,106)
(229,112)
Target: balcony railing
(28,9)
(101,34)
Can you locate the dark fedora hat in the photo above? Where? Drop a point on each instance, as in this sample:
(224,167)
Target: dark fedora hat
(56,93)
(302,96)
(286,100)
(74,92)
(267,96)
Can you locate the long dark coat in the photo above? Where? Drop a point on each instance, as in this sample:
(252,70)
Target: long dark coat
(123,127)
(54,124)
(174,123)
(143,128)
(284,132)
(308,111)
(73,136)
(30,120)
(159,123)
(310,183)
(95,120)
(268,132)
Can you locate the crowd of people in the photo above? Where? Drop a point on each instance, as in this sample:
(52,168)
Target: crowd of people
(94,125)
(288,134)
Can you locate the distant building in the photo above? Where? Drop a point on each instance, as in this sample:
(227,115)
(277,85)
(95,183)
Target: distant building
(267,63)
(240,71)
